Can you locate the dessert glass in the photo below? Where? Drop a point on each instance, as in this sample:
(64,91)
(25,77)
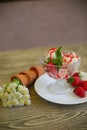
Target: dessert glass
(60,74)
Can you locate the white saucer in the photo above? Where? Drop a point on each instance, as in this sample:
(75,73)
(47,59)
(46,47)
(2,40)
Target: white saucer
(68,99)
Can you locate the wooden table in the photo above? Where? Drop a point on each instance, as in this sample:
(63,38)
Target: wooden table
(41,114)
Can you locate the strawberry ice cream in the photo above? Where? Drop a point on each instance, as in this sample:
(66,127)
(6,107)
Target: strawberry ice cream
(61,64)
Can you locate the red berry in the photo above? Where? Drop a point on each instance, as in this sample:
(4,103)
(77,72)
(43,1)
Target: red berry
(50,63)
(84,85)
(76,74)
(79,91)
(51,68)
(74,81)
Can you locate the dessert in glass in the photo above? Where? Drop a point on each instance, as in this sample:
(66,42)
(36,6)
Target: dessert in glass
(60,65)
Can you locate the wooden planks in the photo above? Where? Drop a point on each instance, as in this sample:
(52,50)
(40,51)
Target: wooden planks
(41,114)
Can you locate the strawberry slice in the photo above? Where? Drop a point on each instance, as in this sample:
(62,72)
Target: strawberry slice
(63,73)
(52,49)
(79,91)
(51,68)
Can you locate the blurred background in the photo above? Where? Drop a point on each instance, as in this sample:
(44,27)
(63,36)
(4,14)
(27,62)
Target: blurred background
(35,23)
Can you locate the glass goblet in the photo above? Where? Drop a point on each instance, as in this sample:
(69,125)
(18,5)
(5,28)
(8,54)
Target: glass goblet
(60,74)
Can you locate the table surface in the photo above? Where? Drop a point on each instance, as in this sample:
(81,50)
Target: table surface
(41,114)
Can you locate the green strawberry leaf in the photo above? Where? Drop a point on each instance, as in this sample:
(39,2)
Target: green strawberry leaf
(70,80)
(58,59)
(58,52)
(48,60)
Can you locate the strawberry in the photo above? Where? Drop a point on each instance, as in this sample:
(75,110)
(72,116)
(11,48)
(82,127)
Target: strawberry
(77,74)
(83,84)
(51,68)
(74,81)
(79,91)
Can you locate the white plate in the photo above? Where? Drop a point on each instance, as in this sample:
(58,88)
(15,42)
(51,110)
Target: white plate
(68,99)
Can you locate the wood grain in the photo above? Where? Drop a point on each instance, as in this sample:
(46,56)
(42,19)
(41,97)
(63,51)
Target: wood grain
(41,114)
